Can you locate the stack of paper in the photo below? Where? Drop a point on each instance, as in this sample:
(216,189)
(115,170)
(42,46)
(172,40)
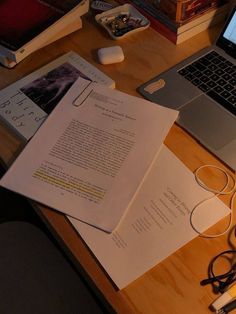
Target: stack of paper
(99,158)
(91,155)
(157,223)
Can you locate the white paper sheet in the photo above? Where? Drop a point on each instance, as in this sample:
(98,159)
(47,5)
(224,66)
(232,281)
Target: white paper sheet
(156,225)
(91,155)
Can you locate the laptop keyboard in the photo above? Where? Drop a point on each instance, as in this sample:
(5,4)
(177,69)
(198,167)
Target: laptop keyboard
(216,77)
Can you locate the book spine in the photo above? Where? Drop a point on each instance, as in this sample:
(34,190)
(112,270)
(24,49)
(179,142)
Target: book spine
(150,11)
(200,27)
(156,13)
(207,15)
(180,33)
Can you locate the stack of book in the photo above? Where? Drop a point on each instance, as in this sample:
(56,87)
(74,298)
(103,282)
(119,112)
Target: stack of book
(179,32)
(28,25)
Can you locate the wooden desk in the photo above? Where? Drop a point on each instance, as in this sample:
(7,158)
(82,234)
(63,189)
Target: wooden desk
(173,286)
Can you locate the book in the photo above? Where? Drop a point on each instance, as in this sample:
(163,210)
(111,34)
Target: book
(182,10)
(24,31)
(25,104)
(72,27)
(92,154)
(156,224)
(179,32)
(186,33)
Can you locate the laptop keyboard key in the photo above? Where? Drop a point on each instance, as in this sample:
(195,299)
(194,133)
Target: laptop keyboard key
(229,70)
(204,87)
(219,72)
(211,84)
(191,69)
(226,76)
(233,81)
(208,72)
(211,55)
(196,82)
(214,53)
(216,77)
(225,94)
(222,101)
(228,87)
(183,72)
(221,58)
(189,77)
(205,61)
(216,61)
(205,79)
(222,82)
(232,100)
(223,65)
(198,74)
(218,89)
(199,66)
(213,67)
(230,64)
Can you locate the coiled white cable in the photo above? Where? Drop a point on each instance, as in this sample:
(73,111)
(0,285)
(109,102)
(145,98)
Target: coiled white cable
(226,190)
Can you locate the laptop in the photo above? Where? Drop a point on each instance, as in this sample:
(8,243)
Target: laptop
(203,89)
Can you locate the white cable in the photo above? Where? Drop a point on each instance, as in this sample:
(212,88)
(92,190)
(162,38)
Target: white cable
(226,190)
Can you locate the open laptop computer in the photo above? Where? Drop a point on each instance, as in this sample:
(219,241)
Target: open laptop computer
(203,89)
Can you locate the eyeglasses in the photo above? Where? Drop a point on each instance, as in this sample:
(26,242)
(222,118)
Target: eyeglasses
(221,282)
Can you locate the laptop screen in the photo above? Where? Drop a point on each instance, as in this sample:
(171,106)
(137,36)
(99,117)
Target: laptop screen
(230,32)
(227,38)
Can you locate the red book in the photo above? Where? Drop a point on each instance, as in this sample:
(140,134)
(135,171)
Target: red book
(27,25)
(22,20)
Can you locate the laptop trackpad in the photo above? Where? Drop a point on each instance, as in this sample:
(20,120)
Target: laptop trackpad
(209,123)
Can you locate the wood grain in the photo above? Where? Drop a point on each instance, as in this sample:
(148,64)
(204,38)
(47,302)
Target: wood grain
(172,286)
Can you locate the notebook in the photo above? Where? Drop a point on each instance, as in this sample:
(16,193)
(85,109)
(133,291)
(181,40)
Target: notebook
(203,89)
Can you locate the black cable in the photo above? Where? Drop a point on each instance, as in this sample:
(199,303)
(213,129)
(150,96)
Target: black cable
(220,282)
(228,308)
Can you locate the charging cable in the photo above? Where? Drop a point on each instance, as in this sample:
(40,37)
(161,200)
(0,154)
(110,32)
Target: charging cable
(226,190)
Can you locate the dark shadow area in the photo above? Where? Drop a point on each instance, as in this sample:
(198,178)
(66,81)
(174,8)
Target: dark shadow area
(16,208)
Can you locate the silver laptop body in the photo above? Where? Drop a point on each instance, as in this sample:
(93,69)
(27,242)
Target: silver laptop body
(201,114)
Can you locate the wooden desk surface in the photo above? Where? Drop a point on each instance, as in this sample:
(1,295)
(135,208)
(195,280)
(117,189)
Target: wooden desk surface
(173,286)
